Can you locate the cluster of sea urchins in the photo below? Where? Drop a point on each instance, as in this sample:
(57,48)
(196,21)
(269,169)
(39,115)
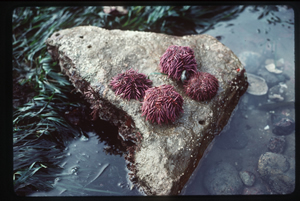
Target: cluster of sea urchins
(177,59)
(130,84)
(162,104)
(201,86)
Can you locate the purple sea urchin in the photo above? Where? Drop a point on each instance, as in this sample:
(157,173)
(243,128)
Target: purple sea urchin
(176,59)
(201,86)
(130,84)
(162,104)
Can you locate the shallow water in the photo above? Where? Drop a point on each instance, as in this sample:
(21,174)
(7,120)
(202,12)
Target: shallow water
(89,171)
(251,123)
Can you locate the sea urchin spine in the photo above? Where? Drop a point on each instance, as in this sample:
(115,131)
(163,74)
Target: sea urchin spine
(162,104)
(201,86)
(176,59)
(130,84)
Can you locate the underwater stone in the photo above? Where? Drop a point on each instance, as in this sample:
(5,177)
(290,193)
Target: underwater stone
(278,92)
(223,179)
(272,68)
(165,154)
(278,171)
(248,178)
(257,85)
(282,125)
(276,144)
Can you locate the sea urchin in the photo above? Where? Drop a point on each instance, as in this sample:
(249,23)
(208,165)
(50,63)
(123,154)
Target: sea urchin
(176,59)
(162,104)
(201,86)
(130,84)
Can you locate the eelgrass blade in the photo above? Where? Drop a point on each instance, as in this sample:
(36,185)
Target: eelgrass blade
(98,175)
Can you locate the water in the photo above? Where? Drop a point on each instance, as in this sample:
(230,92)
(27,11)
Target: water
(251,125)
(89,171)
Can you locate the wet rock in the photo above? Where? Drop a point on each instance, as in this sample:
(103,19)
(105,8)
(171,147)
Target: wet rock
(272,164)
(282,125)
(248,178)
(250,60)
(257,85)
(272,68)
(277,144)
(232,140)
(278,92)
(272,79)
(253,191)
(223,179)
(278,172)
(165,155)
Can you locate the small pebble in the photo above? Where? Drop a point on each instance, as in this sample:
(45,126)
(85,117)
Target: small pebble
(248,178)
(272,68)
(282,125)
(277,144)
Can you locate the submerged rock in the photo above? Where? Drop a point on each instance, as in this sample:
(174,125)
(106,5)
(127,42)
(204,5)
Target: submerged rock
(272,79)
(272,68)
(278,92)
(165,156)
(278,172)
(254,190)
(248,178)
(223,179)
(257,85)
(282,125)
(277,144)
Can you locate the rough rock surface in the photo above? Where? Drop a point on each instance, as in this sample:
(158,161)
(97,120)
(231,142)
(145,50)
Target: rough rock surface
(223,179)
(165,155)
(278,172)
(276,144)
(248,178)
(255,190)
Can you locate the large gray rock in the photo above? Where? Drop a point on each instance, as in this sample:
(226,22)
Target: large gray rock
(165,155)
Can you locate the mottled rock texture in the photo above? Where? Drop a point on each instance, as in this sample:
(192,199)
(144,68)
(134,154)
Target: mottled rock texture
(223,179)
(165,155)
(278,171)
